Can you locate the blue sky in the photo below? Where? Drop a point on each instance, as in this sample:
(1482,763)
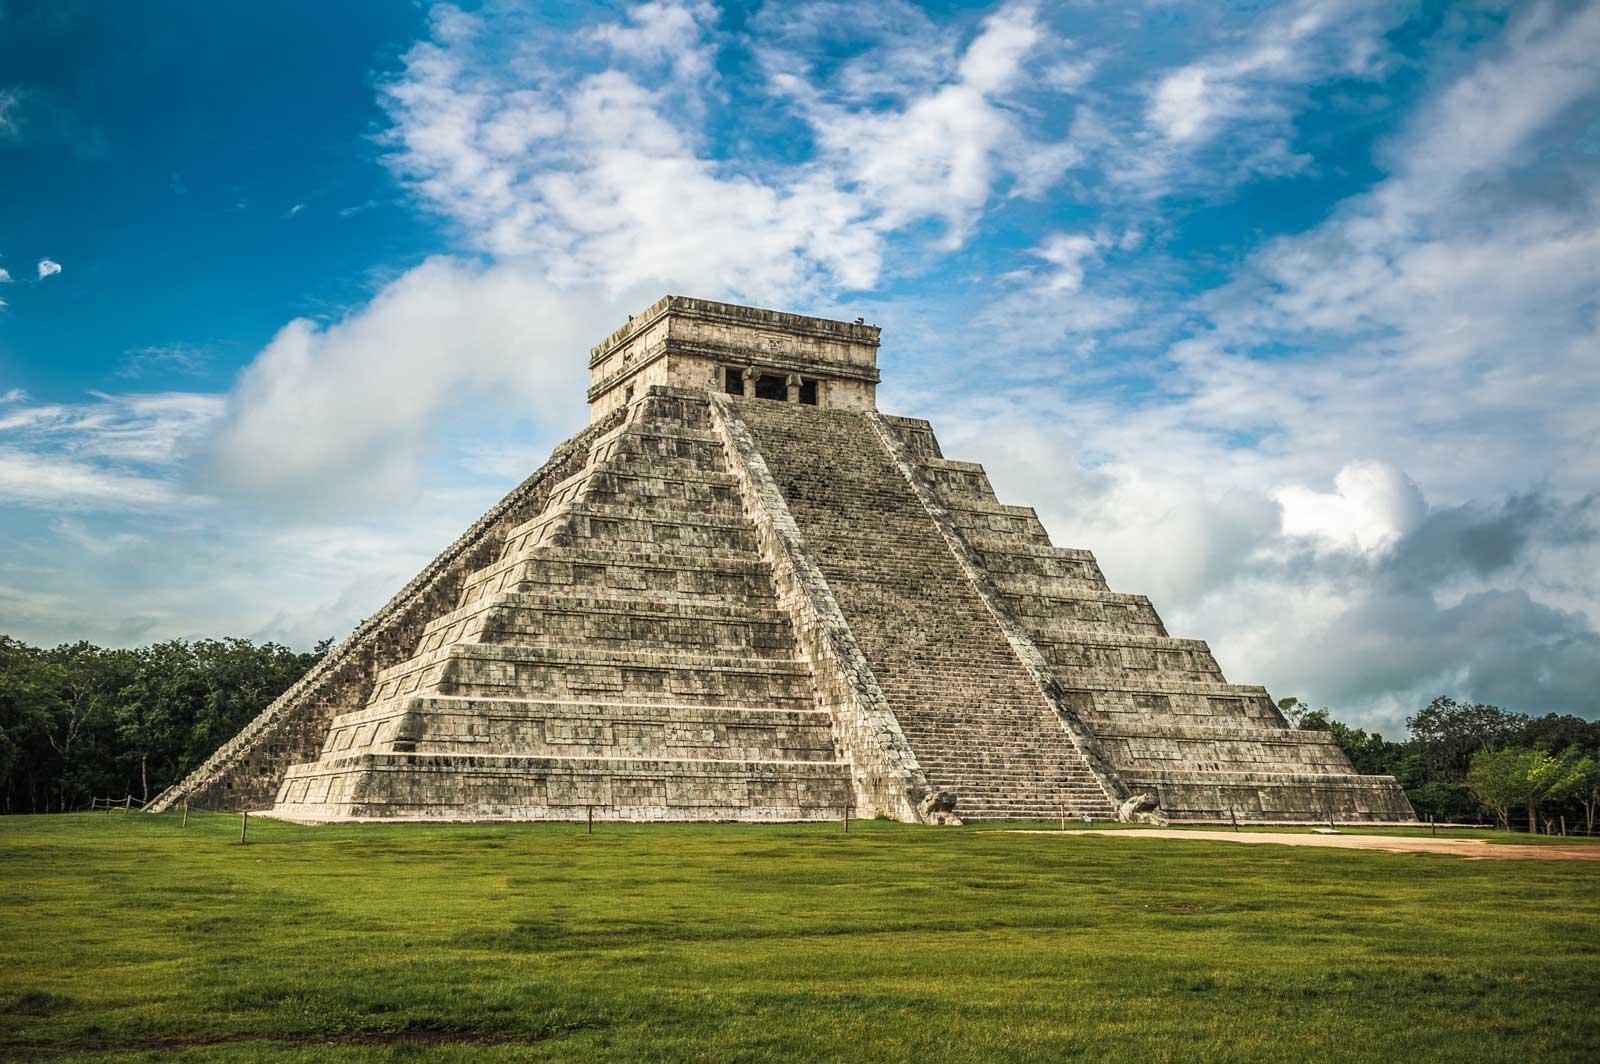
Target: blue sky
(1288,311)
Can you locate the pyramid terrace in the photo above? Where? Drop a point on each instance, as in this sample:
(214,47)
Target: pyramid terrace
(743,593)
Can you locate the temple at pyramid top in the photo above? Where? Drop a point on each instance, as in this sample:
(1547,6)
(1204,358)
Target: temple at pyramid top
(768,354)
(743,593)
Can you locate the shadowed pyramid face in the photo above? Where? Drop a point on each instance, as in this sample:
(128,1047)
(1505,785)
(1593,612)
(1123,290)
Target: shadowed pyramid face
(744,594)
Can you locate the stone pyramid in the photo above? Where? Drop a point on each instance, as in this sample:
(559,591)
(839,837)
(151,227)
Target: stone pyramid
(744,594)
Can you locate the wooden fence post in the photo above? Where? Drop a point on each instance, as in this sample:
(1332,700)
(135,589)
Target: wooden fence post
(847,818)
(244,823)
(186,812)
(127,804)
(1563,825)
(1233,816)
(591,820)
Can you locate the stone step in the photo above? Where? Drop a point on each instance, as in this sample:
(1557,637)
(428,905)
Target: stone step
(712,574)
(529,727)
(1156,686)
(1091,636)
(477,787)
(621,630)
(1025,584)
(1008,546)
(578,599)
(660,428)
(1166,728)
(1273,796)
(957,481)
(675,406)
(566,673)
(975,785)
(581,522)
(529,532)
(648,487)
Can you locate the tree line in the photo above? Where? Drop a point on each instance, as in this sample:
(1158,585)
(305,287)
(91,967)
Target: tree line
(1462,761)
(79,721)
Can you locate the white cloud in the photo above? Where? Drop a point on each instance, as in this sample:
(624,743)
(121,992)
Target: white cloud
(94,541)
(665,32)
(58,482)
(5,276)
(945,148)
(11,100)
(1067,252)
(47,268)
(344,411)
(594,178)
(1050,306)
(173,357)
(147,428)
(1243,96)
(605,179)
(1295,45)
(1371,506)
(116,452)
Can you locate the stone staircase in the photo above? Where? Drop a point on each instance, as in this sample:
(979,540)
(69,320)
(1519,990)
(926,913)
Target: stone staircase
(1159,706)
(624,654)
(974,717)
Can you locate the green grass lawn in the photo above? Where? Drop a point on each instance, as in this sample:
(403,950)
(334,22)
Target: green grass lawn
(128,937)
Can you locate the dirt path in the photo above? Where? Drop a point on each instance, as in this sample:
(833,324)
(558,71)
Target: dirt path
(1474,849)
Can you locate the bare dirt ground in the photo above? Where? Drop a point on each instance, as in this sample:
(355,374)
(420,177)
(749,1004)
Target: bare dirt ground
(1474,849)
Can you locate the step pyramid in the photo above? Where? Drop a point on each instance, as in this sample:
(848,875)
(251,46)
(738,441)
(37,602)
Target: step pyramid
(744,594)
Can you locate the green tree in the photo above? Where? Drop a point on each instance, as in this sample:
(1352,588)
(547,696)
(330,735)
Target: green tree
(1499,780)
(1297,713)
(1586,788)
(1447,734)
(1560,778)
(78,719)
(1505,779)
(1559,731)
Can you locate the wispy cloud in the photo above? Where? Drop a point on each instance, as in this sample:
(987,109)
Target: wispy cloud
(172,358)
(603,177)
(56,482)
(48,268)
(113,452)
(11,100)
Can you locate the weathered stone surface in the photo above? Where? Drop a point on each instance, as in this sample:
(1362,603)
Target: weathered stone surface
(744,594)
(1142,808)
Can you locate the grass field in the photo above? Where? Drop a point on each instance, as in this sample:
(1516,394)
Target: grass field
(130,937)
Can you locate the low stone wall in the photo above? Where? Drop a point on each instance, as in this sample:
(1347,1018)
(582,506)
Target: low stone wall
(244,773)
